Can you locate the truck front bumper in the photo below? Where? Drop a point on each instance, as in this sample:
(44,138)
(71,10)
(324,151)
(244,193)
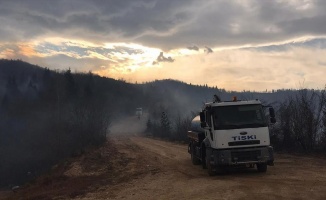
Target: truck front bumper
(241,156)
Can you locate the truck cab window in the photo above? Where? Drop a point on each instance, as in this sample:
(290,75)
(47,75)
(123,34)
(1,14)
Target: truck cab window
(240,116)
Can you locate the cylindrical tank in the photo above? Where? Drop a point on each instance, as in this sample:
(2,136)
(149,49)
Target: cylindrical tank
(195,125)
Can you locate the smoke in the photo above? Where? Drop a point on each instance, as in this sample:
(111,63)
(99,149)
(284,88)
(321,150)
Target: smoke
(129,125)
(196,48)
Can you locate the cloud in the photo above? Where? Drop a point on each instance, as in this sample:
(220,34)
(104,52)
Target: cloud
(193,48)
(163,24)
(196,48)
(162,58)
(81,56)
(260,68)
(244,69)
(7,53)
(255,42)
(208,50)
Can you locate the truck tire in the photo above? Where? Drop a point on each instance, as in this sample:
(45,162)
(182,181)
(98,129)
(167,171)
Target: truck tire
(209,167)
(262,167)
(203,157)
(194,159)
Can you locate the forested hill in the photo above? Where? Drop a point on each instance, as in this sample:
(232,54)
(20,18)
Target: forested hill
(31,81)
(46,116)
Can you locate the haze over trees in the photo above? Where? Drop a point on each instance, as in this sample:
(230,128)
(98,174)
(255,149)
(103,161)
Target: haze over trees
(46,116)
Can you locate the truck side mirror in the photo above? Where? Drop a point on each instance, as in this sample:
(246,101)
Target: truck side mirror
(202,116)
(272,115)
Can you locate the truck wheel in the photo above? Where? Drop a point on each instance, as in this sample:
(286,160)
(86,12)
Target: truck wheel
(209,167)
(203,158)
(194,159)
(262,167)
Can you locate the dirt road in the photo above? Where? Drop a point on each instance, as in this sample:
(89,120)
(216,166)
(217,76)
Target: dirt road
(130,166)
(134,167)
(167,173)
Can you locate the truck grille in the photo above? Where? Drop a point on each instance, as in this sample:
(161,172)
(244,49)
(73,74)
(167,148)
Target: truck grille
(243,156)
(248,142)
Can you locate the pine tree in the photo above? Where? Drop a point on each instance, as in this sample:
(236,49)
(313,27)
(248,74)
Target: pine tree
(89,86)
(165,125)
(323,142)
(149,126)
(71,88)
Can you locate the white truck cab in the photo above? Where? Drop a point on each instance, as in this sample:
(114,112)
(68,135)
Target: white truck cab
(232,133)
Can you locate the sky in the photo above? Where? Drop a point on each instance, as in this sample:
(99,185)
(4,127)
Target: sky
(254,45)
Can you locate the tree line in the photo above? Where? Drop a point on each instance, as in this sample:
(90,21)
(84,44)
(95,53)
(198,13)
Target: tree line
(47,116)
(301,122)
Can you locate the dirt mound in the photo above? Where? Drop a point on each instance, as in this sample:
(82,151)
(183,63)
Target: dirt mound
(106,166)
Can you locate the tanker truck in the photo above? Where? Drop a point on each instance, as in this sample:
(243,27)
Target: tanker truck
(232,134)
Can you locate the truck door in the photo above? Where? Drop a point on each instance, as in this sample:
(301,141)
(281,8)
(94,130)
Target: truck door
(209,132)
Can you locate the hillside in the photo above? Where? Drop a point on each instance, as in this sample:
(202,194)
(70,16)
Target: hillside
(48,116)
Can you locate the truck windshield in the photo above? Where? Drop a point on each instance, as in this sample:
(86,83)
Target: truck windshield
(236,117)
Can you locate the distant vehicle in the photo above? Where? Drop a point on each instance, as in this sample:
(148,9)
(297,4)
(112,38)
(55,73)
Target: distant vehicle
(231,133)
(139,112)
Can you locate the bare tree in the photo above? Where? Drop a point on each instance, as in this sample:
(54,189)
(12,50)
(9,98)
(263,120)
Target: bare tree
(301,119)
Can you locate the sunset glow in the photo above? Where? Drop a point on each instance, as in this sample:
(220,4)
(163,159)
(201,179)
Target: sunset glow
(245,51)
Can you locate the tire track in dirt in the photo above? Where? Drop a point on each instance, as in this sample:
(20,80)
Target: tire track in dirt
(292,177)
(147,168)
